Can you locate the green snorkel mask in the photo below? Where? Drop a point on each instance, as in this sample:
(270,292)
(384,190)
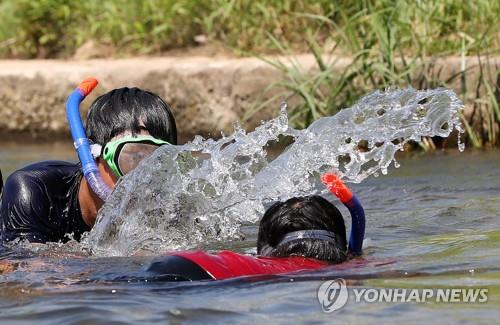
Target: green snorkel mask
(124,154)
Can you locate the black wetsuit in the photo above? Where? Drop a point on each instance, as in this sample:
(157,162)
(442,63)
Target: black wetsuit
(177,268)
(40,203)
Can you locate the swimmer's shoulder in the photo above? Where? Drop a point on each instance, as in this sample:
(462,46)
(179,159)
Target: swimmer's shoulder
(46,168)
(31,193)
(38,177)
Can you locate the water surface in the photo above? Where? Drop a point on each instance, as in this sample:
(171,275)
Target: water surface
(432,223)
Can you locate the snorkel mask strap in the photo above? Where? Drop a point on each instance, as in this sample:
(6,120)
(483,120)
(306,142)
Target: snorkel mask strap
(318,234)
(82,143)
(340,190)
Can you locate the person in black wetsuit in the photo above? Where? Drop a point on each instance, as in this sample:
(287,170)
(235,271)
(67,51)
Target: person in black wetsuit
(50,201)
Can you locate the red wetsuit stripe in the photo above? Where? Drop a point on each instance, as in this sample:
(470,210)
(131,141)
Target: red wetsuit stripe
(227,264)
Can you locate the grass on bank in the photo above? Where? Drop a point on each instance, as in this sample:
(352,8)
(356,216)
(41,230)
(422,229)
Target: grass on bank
(375,38)
(56,28)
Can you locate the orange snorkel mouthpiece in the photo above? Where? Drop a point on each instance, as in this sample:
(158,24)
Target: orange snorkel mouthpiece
(87,85)
(337,187)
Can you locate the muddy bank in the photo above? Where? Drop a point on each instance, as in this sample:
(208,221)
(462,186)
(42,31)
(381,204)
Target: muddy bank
(208,95)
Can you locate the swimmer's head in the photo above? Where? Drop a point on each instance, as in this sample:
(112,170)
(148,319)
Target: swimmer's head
(130,111)
(303,226)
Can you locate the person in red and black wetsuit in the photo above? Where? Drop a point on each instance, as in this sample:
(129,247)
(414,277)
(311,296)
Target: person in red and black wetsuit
(302,233)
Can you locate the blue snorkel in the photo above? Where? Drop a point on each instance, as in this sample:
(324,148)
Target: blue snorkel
(340,190)
(357,226)
(81,142)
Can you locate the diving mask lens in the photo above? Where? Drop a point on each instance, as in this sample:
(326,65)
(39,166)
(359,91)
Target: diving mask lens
(124,154)
(131,154)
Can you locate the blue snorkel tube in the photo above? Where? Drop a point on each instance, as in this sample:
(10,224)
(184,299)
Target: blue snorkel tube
(340,190)
(82,143)
(357,225)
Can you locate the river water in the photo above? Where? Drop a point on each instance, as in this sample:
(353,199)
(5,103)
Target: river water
(432,223)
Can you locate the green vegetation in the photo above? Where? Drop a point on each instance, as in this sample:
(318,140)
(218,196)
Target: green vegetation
(391,42)
(394,44)
(55,28)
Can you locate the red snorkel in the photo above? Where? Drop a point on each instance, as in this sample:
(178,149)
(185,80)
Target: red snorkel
(337,187)
(340,190)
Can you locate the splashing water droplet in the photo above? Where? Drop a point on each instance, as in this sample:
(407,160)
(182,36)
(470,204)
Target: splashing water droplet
(206,189)
(461,145)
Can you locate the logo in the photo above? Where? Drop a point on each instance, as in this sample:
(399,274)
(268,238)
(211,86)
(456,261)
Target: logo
(333,295)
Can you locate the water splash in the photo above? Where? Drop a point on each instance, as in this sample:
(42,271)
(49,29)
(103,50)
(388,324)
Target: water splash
(205,190)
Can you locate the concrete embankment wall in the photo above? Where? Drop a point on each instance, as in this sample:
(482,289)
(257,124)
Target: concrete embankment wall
(207,95)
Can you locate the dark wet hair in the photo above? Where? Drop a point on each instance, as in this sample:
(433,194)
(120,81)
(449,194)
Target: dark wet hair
(124,109)
(303,213)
